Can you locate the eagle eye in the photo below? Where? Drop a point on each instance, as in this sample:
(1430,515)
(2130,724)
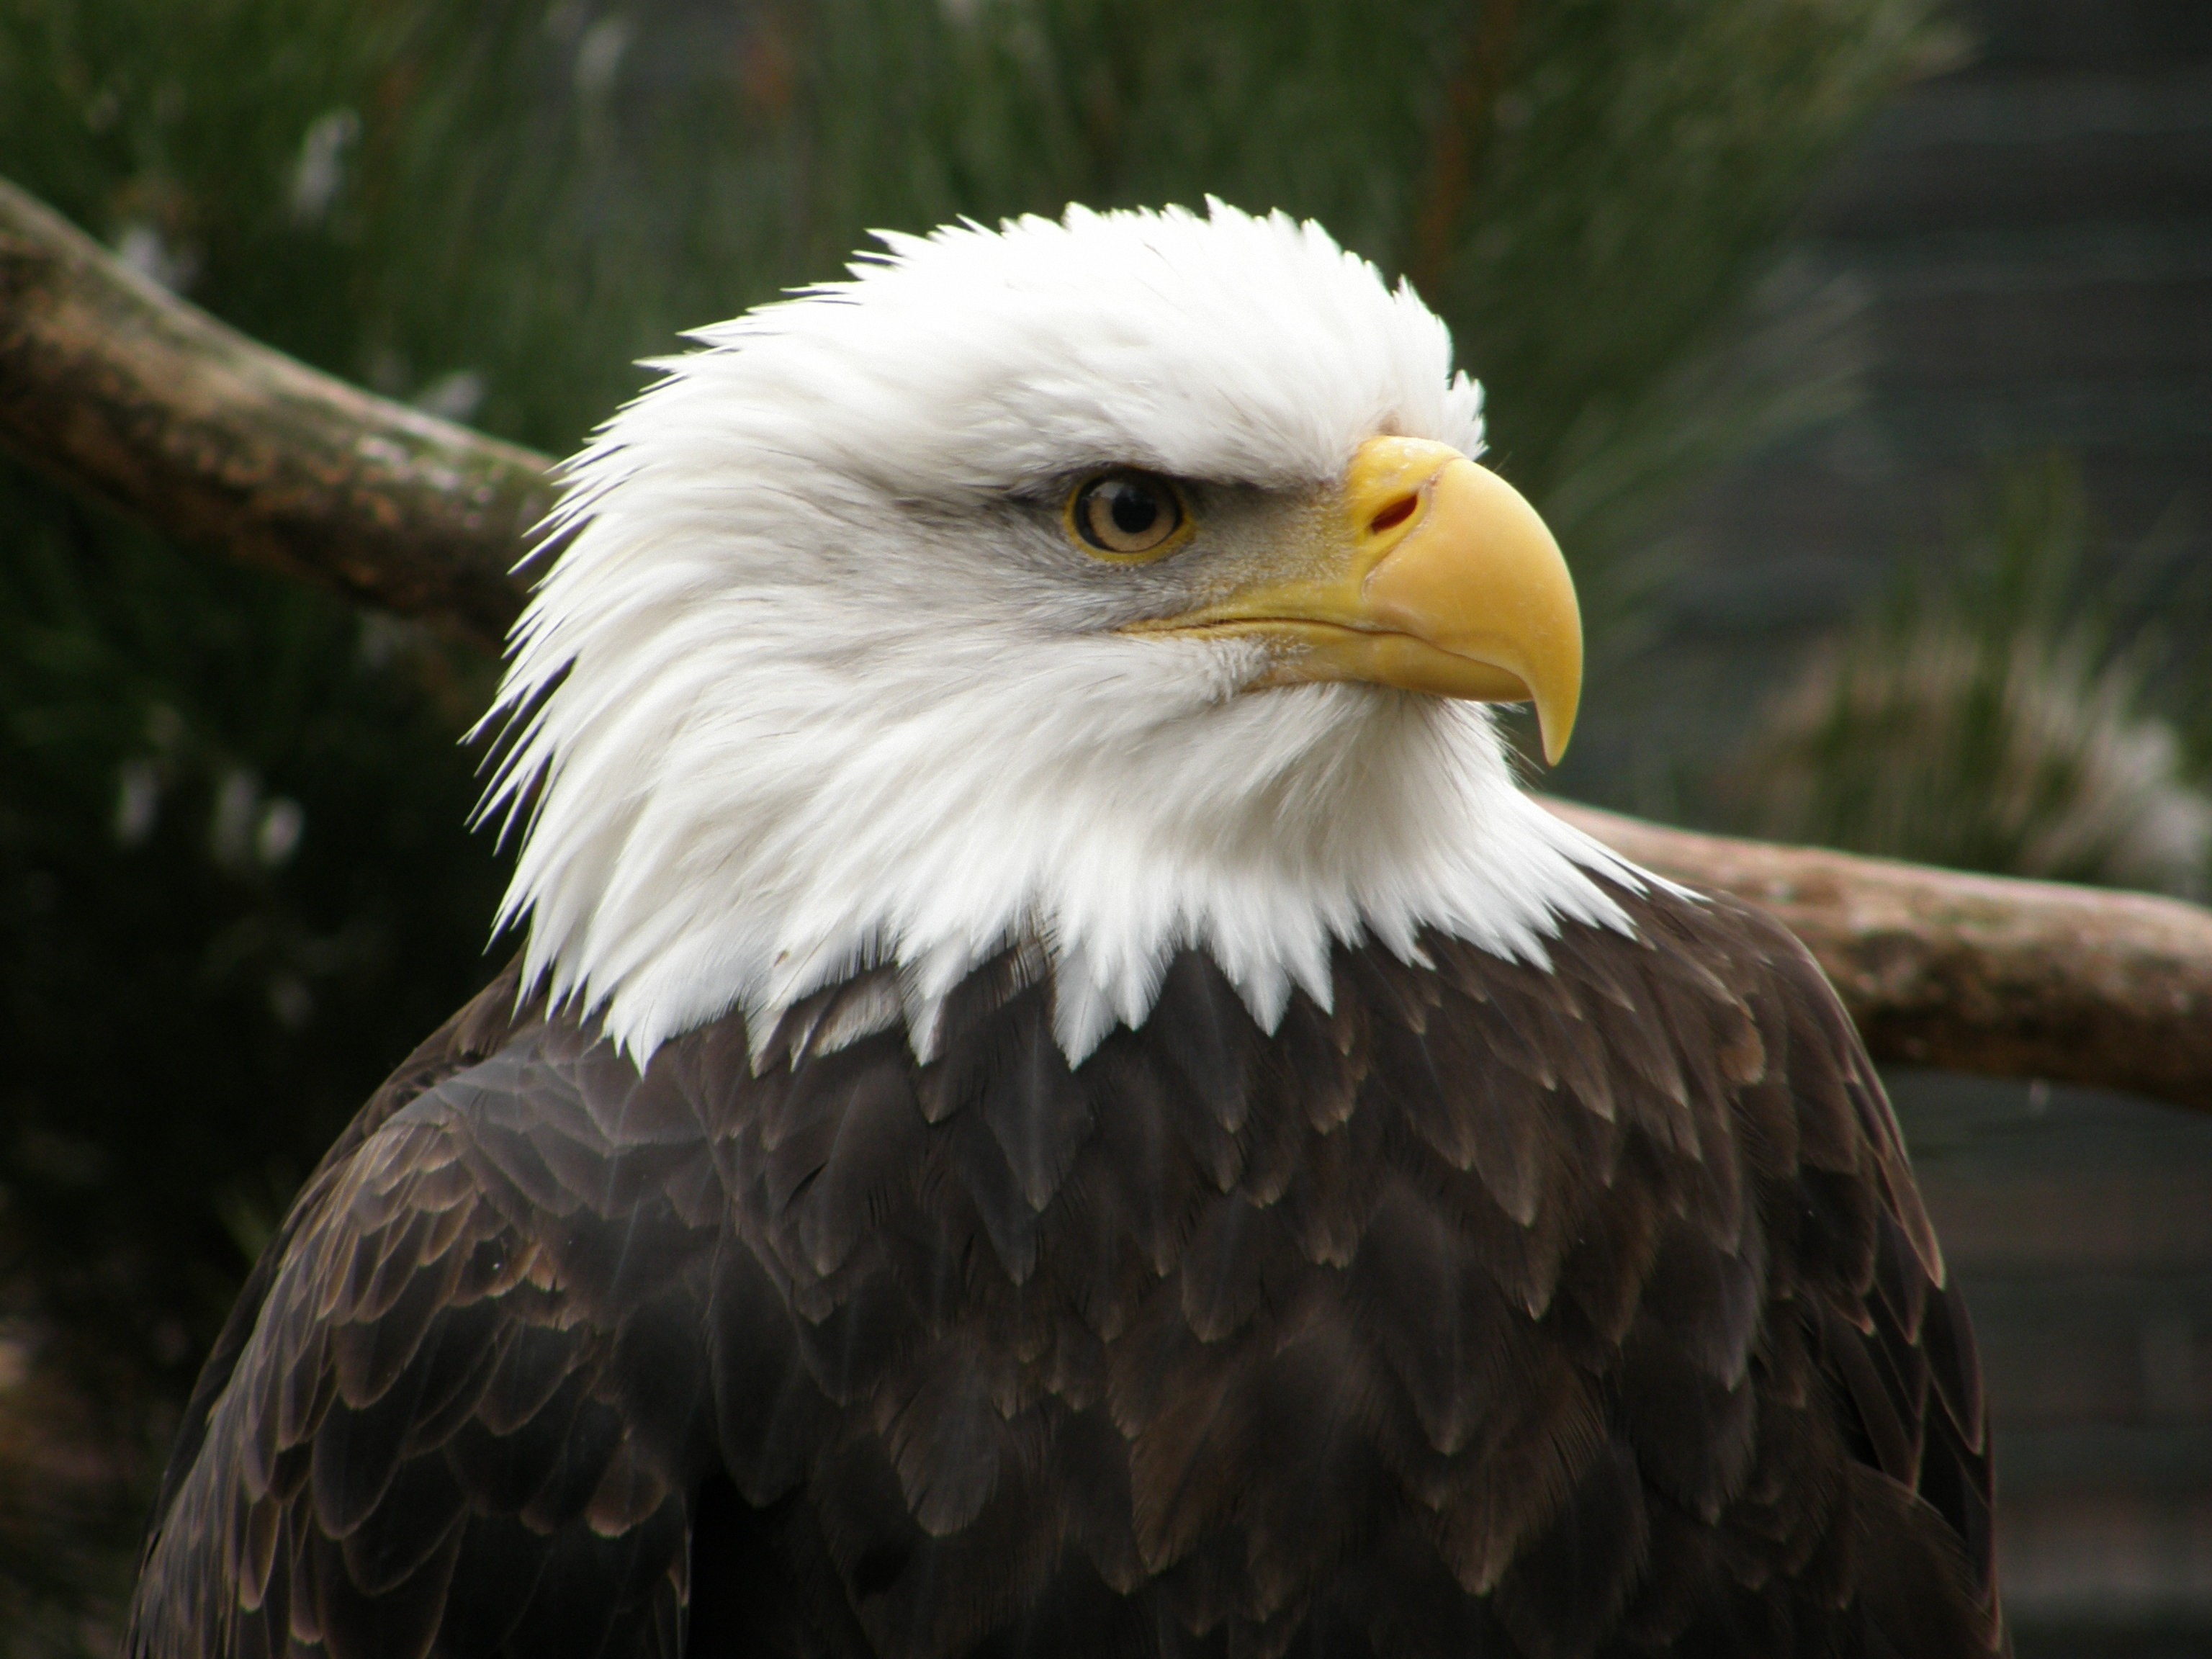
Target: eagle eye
(1126,515)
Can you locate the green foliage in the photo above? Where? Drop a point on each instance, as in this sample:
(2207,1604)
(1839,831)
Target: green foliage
(1987,716)
(234,888)
(539,193)
(493,207)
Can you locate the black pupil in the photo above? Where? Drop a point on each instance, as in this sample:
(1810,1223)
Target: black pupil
(1134,508)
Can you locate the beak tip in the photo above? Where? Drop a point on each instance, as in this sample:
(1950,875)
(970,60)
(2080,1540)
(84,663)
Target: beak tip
(1557,727)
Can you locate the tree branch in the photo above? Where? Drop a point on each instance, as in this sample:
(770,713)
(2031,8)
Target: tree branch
(1975,973)
(115,386)
(121,389)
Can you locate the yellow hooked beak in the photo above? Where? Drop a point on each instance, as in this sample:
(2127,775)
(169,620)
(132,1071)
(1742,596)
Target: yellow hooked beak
(1425,572)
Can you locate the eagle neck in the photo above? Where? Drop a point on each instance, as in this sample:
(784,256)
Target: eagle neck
(1265,832)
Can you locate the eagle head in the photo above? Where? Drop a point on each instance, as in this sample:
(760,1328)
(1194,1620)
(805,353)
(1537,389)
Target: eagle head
(1106,586)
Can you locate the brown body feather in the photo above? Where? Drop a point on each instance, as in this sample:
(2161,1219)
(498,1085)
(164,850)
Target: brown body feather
(1494,1311)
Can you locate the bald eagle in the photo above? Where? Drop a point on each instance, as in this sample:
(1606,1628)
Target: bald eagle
(1059,1099)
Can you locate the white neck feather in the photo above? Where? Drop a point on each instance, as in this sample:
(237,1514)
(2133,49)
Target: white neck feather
(693,852)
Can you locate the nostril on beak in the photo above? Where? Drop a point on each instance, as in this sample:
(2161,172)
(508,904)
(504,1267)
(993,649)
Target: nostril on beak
(1393,514)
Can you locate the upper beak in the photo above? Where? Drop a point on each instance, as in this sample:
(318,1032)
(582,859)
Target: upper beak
(1429,572)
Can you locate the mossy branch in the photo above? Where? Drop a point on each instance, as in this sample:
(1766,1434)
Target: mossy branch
(115,386)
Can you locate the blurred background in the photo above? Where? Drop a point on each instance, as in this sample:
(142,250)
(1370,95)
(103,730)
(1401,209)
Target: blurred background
(1860,350)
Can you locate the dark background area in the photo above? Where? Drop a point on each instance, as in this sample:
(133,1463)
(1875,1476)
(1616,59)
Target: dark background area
(2028,240)
(1860,349)
(2022,250)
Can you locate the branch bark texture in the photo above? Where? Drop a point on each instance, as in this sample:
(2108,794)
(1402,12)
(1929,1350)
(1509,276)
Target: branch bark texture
(121,389)
(1975,973)
(115,386)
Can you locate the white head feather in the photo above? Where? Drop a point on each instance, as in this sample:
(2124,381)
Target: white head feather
(799,695)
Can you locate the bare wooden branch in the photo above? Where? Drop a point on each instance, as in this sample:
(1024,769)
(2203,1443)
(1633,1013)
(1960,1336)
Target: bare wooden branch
(120,389)
(1975,973)
(125,391)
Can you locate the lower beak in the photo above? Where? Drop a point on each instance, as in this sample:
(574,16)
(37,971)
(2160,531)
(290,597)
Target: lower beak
(1429,573)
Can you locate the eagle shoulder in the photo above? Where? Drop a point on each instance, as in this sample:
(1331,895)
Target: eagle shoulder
(465,1406)
(1867,1392)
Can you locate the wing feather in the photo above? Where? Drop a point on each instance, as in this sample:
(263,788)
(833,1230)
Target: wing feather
(434,1390)
(1495,1308)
